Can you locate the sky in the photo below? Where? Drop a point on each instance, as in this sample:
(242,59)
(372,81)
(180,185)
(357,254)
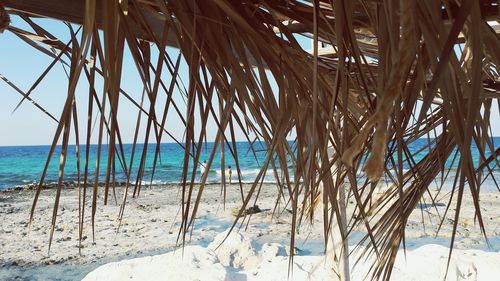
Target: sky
(22,64)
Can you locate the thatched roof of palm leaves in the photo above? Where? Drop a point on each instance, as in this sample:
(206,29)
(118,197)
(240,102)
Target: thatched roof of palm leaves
(379,75)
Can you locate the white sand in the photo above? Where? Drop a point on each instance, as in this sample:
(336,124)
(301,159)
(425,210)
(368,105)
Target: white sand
(238,260)
(151,224)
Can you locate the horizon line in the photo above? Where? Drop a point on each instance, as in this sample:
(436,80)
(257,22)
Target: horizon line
(83,144)
(152,143)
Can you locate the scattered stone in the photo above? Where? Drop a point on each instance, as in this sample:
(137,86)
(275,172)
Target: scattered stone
(252,210)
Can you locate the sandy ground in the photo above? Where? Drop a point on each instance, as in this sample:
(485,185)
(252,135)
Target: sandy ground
(151,223)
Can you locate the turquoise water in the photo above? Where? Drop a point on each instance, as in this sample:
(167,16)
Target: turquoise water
(23,165)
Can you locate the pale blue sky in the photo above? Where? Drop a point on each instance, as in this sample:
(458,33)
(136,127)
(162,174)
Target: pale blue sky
(22,64)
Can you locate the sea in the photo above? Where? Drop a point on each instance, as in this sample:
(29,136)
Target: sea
(21,166)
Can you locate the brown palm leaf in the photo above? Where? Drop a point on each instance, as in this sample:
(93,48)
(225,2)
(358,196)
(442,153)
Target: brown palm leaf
(379,76)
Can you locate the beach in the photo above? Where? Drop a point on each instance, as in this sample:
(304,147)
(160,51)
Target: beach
(151,224)
(362,132)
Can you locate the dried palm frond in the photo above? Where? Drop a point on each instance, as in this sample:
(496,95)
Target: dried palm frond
(408,69)
(4,18)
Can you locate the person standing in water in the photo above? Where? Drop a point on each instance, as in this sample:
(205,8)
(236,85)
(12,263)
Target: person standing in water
(203,167)
(229,172)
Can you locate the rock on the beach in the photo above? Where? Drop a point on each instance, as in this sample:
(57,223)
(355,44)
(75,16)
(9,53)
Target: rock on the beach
(234,250)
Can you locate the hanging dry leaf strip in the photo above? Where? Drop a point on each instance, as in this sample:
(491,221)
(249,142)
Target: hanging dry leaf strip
(388,67)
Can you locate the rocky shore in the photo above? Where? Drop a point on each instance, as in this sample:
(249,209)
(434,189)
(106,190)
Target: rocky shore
(151,226)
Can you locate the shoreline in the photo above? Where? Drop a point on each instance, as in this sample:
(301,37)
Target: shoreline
(151,223)
(74,185)
(119,184)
